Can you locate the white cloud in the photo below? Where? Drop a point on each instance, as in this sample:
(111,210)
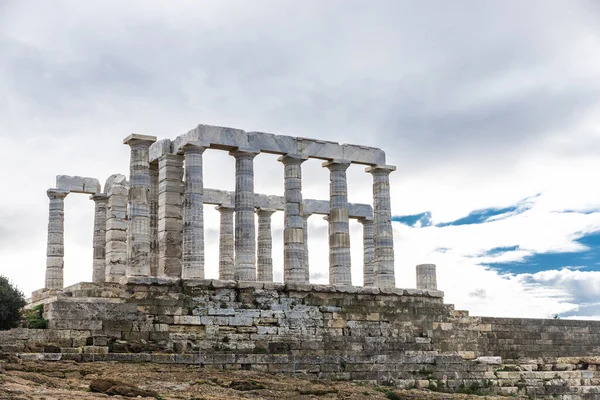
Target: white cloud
(471,120)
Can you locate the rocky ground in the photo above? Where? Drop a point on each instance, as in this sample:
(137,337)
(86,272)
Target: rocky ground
(71,380)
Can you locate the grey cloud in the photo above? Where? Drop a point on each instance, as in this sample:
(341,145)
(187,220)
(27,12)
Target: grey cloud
(479,293)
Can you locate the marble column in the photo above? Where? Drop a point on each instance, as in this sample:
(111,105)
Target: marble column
(426,276)
(305,227)
(56,242)
(265,245)
(339,224)
(368,251)
(138,229)
(116,229)
(153,218)
(99,238)
(170,221)
(226,244)
(245,233)
(294,268)
(193,214)
(383,233)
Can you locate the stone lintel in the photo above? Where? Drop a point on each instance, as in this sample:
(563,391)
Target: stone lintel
(159,148)
(227,199)
(136,138)
(224,138)
(374,168)
(78,184)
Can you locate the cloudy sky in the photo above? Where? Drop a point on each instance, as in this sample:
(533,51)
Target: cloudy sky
(489,109)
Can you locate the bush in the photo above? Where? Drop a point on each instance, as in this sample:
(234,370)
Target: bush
(11,302)
(33,318)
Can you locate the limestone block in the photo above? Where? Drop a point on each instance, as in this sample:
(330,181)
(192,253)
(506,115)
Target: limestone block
(159,148)
(78,184)
(362,154)
(250,285)
(271,143)
(212,136)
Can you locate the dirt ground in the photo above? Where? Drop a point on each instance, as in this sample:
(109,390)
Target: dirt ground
(71,380)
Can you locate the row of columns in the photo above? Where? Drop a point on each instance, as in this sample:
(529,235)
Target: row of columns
(242,262)
(174,224)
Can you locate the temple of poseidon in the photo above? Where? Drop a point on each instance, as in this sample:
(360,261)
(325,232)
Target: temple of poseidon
(152,225)
(149,299)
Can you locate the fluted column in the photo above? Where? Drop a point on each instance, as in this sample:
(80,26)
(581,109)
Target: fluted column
(383,233)
(99,239)
(265,245)
(426,276)
(245,233)
(294,268)
(170,221)
(55,251)
(339,225)
(116,229)
(153,218)
(368,251)
(193,214)
(226,244)
(305,227)
(138,229)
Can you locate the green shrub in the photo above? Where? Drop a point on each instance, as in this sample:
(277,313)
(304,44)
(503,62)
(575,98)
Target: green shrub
(34,319)
(11,302)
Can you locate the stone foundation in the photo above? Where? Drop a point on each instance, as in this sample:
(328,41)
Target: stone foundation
(407,337)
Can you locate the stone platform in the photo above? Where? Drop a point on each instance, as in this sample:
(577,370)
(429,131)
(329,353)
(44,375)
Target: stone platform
(407,337)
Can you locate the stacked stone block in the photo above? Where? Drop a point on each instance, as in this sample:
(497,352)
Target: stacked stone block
(55,251)
(226,244)
(295,268)
(138,229)
(265,245)
(116,228)
(383,233)
(153,218)
(99,239)
(426,276)
(339,224)
(193,214)
(245,234)
(368,251)
(170,218)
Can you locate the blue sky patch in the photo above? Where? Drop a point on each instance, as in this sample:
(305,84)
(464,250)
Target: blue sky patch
(588,260)
(416,220)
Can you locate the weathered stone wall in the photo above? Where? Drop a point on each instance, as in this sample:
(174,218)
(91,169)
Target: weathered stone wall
(406,337)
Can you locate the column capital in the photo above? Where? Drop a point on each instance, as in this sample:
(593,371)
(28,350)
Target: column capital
(292,159)
(139,140)
(265,212)
(337,165)
(244,152)
(380,169)
(57,193)
(224,209)
(99,197)
(193,148)
(365,221)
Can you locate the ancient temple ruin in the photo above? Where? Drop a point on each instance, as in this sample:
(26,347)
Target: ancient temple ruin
(149,300)
(152,225)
